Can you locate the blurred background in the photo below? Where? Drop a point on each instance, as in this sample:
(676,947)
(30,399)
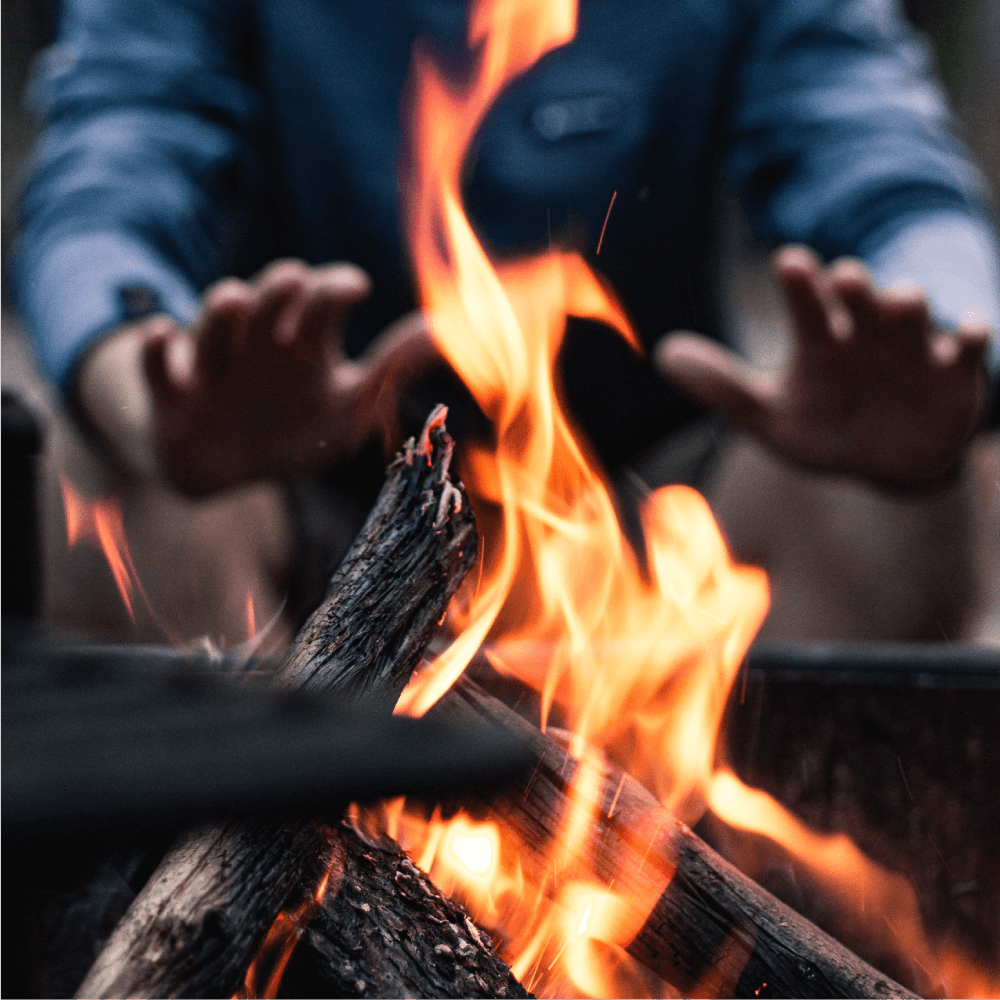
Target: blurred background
(201,589)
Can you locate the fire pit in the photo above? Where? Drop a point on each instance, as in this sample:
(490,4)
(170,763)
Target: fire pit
(580,864)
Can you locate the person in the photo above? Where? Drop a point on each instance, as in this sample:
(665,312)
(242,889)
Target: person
(185,142)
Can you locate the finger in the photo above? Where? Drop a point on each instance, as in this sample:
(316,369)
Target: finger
(905,316)
(218,329)
(279,289)
(797,270)
(965,345)
(715,377)
(168,362)
(332,292)
(849,281)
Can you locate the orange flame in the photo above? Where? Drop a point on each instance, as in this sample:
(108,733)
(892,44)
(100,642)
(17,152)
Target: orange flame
(251,617)
(564,598)
(263,977)
(100,522)
(640,653)
(879,899)
(641,657)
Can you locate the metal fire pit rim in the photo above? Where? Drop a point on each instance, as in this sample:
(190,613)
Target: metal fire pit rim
(930,664)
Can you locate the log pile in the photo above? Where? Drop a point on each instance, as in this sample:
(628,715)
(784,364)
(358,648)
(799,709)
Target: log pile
(203,916)
(376,926)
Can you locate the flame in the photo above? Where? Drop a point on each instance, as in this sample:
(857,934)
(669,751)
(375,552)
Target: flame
(639,650)
(879,900)
(563,929)
(100,521)
(251,617)
(566,603)
(264,975)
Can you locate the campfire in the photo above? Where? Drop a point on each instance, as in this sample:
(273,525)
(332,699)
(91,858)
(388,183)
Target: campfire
(583,872)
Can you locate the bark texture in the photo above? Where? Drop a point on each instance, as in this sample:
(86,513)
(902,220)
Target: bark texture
(204,914)
(392,589)
(388,932)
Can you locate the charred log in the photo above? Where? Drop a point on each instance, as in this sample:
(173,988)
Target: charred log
(203,916)
(385,931)
(712,931)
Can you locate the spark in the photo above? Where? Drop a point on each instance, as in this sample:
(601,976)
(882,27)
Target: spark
(614,801)
(606,217)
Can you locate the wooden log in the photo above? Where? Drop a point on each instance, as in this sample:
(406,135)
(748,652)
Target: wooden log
(202,917)
(386,931)
(712,931)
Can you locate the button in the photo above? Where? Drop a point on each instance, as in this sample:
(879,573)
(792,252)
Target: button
(592,114)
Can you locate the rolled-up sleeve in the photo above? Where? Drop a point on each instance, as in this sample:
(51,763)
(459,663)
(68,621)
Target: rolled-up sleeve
(839,131)
(149,120)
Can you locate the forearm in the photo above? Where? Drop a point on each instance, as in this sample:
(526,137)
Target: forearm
(112,397)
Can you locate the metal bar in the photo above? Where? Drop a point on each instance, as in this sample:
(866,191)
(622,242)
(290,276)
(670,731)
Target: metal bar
(916,664)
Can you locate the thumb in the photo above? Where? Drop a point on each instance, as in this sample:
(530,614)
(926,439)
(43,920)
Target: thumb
(714,376)
(168,359)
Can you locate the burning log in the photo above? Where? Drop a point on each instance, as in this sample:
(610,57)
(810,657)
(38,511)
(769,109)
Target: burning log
(202,917)
(387,932)
(712,931)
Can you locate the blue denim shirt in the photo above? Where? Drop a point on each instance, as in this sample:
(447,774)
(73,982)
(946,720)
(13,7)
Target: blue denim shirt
(187,139)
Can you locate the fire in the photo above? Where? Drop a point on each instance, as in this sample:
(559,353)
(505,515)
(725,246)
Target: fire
(879,900)
(100,521)
(251,616)
(638,650)
(567,604)
(476,853)
(266,970)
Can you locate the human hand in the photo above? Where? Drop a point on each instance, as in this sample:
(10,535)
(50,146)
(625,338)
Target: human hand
(872,387)
(258,386)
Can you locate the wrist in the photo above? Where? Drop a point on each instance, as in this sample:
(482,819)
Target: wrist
(111,399)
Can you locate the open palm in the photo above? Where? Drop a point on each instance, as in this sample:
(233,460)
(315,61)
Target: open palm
(259,385)
(872,387)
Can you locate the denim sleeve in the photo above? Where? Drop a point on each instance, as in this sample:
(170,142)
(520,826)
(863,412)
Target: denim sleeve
(149,122)
(839,134)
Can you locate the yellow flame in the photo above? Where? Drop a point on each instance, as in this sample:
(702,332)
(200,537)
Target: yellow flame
(476,853)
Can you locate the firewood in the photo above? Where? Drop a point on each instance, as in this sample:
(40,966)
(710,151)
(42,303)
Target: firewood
(204,914)
(713,931)
(386,931)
